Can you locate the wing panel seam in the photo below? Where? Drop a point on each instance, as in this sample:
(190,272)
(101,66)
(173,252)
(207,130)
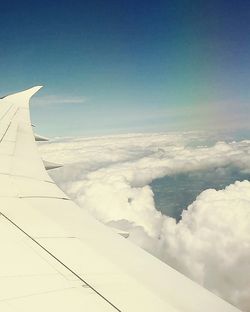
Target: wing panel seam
(58,260)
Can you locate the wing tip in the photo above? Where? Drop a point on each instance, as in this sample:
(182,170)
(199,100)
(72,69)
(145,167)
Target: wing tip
(27,92)
(31,91)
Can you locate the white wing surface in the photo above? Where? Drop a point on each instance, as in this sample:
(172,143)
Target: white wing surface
(54,256)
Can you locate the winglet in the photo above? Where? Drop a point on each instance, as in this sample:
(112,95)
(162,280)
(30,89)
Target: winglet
(31,91)
(23,97)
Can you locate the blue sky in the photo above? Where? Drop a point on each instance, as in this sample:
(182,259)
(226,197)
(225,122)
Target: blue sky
(125,66)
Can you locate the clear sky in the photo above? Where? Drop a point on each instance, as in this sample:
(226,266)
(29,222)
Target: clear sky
(125,66)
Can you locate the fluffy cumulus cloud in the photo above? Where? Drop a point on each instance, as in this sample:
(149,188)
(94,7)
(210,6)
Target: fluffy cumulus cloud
(211,244)
(110,177)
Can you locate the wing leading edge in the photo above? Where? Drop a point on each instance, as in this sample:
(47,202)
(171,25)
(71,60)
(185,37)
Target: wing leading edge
(55,256)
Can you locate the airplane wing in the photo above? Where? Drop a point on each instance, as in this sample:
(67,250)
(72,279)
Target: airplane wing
(54,256)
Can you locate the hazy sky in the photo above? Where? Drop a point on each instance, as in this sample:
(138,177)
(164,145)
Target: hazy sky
(119,66)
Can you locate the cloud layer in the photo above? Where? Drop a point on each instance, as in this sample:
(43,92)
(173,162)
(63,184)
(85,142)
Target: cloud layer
(110,176)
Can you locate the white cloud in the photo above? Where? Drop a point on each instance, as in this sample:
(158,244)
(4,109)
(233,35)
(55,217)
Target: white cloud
(211,244)
(58,99)
(110,177)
